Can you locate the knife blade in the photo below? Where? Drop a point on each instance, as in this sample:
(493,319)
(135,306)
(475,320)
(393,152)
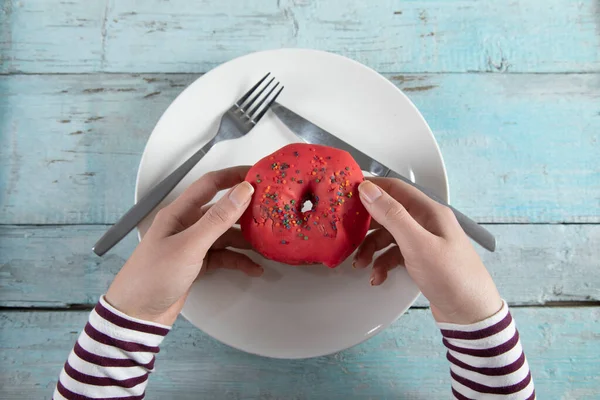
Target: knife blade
(313,134)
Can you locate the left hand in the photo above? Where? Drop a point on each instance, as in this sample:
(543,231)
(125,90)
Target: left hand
(186,239)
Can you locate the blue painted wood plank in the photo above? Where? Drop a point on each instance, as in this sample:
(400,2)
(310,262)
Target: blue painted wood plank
(406,361)
(51,36)
(518,148)
(390,36)
(53,266)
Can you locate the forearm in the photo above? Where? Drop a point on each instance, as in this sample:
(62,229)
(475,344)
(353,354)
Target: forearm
(487,359)
(113,357)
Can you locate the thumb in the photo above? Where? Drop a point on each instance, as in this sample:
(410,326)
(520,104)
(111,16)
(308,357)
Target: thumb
(222,215)
(392,215)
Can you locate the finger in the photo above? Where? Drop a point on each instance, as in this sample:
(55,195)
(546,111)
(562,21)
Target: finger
(375,241)
(408,195)
(205,209)
(433,216)
(228,259)
(186,210)
(220,217)
(392,215)
(389,260)
(232,238)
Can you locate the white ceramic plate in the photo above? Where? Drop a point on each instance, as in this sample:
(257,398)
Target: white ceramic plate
(295,312)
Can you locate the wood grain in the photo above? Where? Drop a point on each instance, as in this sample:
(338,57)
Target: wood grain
(518,148)
(53,266)
(406,361)
(510,89)
(389,36)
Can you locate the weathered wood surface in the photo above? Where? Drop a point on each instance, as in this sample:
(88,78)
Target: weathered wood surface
(389,35)
(406,361)
(521,146)
(51,266)
(518,148)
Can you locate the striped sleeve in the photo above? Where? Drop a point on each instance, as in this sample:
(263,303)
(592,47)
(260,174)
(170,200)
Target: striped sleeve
(112,357)
(487,360)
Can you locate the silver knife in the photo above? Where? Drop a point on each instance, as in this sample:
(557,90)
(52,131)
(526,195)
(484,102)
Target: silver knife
(313,134)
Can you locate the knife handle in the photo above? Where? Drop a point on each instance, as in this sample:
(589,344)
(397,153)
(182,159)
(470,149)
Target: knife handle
(475,231)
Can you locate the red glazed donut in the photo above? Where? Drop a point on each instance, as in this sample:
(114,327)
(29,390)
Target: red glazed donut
(277,222)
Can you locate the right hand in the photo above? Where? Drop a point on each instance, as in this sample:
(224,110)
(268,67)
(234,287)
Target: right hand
(429,242)
(186,239)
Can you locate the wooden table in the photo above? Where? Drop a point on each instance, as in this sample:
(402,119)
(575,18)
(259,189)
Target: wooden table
(510,88)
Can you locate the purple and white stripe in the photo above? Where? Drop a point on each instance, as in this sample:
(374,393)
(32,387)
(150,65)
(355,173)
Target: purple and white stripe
(487,360)
(115,354)
(112,357)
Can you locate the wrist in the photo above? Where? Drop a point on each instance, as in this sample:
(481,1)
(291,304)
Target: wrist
(162,329)
(132,309)
(470,311)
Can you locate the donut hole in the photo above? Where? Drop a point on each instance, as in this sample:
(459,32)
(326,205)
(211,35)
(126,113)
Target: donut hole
(308,201)
(307,206)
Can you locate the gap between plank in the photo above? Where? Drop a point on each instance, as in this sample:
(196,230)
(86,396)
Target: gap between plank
(17,73)
(89,307)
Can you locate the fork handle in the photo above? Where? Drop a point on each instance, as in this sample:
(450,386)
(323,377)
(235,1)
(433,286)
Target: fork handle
(147,203)
(475,231)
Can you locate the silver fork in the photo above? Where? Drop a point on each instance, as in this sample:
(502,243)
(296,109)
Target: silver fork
(241,117)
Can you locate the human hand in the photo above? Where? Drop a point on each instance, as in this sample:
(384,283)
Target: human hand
(429,242)
(186,239)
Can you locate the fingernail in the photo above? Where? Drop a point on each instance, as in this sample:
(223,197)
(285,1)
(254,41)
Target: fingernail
(354,264)
(372,279)
(369,191)
(241,194)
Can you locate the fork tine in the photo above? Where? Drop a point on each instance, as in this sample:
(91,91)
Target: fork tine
(254,98)
(249,92)
(257,106)
(268,105)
